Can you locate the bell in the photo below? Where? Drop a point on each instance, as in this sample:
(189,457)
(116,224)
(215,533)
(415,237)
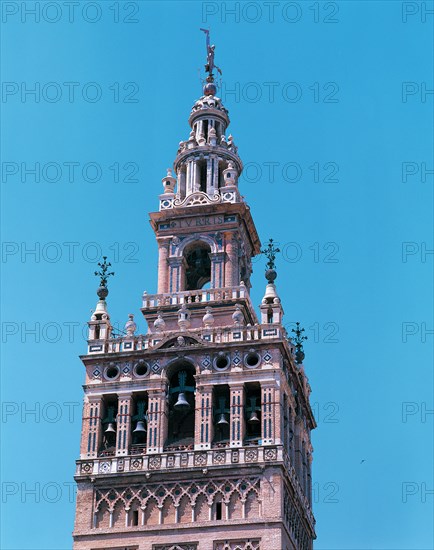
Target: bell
(182,404)
(110,429)
(222,420)
(253,418)
(140,428)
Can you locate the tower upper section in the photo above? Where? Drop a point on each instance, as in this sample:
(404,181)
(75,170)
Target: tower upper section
(207,165)
(205,232)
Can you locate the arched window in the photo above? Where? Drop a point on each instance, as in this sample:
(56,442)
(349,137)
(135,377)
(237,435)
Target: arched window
(253,412)
(198,265)
(109,425)
(221,415)
(182,388)
(139,422)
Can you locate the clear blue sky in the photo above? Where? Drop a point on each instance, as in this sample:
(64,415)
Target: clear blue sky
(319,98)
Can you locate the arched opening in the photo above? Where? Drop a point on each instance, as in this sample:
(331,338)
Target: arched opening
(201,174)
(217,508)
(139,423)
(198,265)
(182,388)
(109,426)
(253,413)
(221,416)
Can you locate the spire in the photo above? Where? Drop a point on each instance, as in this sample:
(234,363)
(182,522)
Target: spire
(271,308)
(99,325)
(207,165)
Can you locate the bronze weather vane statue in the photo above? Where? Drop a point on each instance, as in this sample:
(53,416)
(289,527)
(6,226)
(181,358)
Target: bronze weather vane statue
(210,49)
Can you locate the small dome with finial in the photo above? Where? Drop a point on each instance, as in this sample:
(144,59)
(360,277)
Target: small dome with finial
(168,182)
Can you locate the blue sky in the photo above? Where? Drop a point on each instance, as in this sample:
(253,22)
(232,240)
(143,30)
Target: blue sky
(334,96)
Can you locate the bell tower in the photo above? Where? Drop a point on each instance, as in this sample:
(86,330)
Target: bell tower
(196,435)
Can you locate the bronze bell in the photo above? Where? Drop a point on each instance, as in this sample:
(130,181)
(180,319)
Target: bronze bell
(140,428)
(253,418)
(110,429)
(182,404)
(222,420)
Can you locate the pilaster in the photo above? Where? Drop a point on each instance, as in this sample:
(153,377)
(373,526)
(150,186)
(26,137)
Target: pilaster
(157,421)
(123,425)
(92,432)
(204,428)
(237,421)
(270,406)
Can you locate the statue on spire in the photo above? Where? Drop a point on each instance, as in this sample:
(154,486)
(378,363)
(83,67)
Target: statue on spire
(270,252)
(298,340)
(209,67)
(104,274)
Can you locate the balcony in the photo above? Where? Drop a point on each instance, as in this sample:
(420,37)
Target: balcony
(201,296)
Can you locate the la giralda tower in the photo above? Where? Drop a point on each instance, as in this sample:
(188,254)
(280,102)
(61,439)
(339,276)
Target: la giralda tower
(196,435)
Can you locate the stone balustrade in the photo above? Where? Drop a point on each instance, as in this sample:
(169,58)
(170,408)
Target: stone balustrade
(202,296)
(178,459)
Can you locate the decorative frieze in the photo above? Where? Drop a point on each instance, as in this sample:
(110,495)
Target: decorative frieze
(249,544)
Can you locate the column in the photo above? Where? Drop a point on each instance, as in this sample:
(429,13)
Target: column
(217,269)
(176,275)
(123,425)
(189,178)
(209,176)
(237,422)
(229,260)
(203,422)
(181,181)
(163,266)
(215,182)
(92,431)
(157,421)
